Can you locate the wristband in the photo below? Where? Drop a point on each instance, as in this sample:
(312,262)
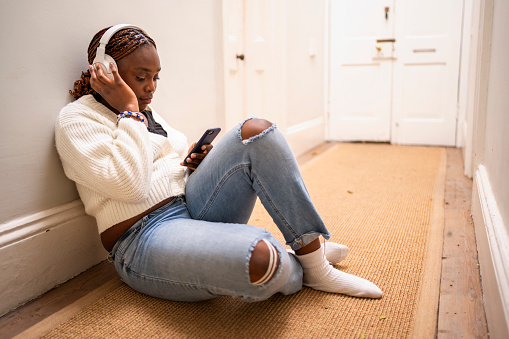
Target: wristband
(125,114)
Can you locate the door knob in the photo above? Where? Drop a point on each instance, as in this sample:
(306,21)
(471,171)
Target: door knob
(240,56)
(378,48)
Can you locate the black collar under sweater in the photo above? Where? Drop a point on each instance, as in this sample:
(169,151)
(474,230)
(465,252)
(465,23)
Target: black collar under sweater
(153,126)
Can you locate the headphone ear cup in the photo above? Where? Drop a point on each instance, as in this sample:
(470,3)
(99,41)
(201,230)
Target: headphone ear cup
(103,67)
(106,66)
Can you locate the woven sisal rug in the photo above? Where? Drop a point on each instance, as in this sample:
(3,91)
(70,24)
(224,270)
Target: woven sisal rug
(384,202)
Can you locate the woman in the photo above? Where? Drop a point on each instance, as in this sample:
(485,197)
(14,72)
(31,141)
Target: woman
(181,239)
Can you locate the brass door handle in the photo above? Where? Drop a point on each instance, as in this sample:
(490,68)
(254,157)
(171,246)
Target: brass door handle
(425,50)
(385,40)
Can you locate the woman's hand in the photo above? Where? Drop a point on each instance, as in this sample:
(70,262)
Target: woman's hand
(116,92)
(196,158)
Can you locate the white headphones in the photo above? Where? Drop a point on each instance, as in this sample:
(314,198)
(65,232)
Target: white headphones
(101,57)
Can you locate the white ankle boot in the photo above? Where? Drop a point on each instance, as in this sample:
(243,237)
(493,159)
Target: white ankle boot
(320,275)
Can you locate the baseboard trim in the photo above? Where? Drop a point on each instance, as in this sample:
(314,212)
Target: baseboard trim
(45,249)
(304,126)
(493,250)
(304,136)
(28,226)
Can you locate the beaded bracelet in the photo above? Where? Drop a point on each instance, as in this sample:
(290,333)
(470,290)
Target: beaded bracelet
(129,114)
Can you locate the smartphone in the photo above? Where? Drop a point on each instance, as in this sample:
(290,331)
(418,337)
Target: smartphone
(205,139)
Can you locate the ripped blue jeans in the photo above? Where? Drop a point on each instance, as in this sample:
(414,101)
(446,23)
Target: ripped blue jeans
(198,247)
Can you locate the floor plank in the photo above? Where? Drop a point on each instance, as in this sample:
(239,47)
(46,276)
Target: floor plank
(461,312)
(55,300)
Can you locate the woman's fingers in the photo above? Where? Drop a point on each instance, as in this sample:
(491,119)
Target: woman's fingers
(114,72)
(192,164)
(98,73)
(196,158)
(206,148)
(98,80)
(94,82)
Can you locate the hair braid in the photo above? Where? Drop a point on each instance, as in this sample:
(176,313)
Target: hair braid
(121,44)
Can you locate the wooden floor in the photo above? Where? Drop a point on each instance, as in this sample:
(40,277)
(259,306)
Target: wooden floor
(461,312)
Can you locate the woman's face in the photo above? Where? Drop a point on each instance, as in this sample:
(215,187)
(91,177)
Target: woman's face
(140,71)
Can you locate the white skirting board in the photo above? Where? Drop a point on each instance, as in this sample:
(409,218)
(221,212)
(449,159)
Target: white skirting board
(304,136)
(493,250)
(45,249)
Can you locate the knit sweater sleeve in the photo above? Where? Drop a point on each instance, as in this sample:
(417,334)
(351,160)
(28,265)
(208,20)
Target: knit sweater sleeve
(115,161)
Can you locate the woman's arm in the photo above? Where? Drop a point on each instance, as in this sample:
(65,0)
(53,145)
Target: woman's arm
(115,161)
(116,92)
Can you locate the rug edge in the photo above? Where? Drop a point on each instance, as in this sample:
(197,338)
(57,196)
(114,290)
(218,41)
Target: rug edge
(426,312)
(311,161)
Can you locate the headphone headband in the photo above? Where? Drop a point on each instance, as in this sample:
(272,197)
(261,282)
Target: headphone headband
(101,50)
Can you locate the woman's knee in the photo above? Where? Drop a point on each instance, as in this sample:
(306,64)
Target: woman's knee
(264,263)
(254,127)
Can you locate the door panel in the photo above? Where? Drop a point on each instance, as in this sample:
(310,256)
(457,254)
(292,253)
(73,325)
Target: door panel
(246,26)
(256,56)
(234,75)
(361,74)
(428,36)
(418,104)
(364,103)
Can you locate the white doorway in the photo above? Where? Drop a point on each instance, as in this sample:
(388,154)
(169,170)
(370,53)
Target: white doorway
(250,39)
(233,61)
(394,69)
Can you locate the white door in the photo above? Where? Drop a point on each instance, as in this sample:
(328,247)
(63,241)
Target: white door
(257,55)
(248,89)
(394,70)
(233,61)
(361,74)
(425,101)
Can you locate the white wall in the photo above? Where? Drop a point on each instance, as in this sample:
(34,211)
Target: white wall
(305,64)
(496,145)
(45,237)
(305,87)
(490,152)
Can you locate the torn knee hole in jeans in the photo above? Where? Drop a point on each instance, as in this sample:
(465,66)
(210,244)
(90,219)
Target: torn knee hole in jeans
(255,137)
(272,267)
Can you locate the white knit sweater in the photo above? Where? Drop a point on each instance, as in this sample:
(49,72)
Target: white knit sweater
(120,171)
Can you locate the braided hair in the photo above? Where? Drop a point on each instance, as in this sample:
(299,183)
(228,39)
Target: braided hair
(121,44)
